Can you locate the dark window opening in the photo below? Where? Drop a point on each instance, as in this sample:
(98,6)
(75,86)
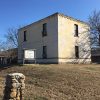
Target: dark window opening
(44,32)
(99,40)
(44,52)
(76,51)
(25,35)
(76,29)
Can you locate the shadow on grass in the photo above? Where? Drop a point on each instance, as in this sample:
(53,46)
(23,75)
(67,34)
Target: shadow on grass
(3,67)
(93,68)
(40,98)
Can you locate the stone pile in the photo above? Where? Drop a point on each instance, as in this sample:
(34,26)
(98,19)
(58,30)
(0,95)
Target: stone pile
(14,89)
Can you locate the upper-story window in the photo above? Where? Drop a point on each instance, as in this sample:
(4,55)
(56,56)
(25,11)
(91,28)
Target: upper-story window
(44,32)
(76,29)
(25,32)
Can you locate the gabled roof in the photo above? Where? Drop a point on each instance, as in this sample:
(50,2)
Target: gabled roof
(57,13)
(71,18)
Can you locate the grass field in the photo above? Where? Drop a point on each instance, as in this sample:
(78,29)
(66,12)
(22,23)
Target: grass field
(58,82)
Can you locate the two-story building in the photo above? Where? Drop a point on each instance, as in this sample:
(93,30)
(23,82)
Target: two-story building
(56,39)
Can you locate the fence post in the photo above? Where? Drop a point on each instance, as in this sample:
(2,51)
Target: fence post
(14,87)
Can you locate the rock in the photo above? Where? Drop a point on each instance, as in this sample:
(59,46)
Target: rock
(15,86)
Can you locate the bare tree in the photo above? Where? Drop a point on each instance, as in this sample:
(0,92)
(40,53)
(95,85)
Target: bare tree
(12,37)
(1,46)
(4,45)
(94,23)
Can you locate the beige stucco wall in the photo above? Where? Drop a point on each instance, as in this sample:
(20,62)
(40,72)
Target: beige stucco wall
(67,41)
(60,40)
(36,41)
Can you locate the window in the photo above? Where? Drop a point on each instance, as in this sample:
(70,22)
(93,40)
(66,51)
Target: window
(99,39)
(44,52)
(76,51)
(76,29)
(25,35)
(44,32)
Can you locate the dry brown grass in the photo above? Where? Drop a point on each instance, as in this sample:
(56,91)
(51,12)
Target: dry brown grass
(58,82)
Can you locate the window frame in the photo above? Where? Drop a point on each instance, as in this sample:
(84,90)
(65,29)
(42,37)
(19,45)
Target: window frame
(99,39)
(77,52)
(25,39)
(44,29)
(44,52)
(76,30)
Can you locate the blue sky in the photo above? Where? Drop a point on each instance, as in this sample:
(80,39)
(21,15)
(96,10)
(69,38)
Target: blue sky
(14,13)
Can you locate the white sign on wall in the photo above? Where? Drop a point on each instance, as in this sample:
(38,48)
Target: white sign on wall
(29,54)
